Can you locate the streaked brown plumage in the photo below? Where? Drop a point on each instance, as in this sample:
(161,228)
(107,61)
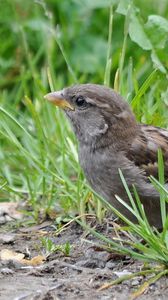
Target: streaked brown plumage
(144,149)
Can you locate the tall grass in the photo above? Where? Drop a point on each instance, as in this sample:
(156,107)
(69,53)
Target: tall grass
(50,45)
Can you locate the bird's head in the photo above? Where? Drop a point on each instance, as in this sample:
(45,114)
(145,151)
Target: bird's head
(98,114)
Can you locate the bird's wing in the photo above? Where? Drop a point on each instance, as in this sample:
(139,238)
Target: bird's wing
(144,150)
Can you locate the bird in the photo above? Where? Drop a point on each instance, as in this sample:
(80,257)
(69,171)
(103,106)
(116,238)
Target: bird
(110,139)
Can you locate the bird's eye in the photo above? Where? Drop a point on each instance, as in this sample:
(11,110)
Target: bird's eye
(80,101)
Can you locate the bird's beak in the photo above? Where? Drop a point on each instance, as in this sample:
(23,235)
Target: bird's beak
(58,99)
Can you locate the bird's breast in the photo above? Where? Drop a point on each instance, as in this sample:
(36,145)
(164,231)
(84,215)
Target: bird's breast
(101,170)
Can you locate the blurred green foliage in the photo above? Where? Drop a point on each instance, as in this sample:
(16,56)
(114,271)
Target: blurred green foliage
(32,28)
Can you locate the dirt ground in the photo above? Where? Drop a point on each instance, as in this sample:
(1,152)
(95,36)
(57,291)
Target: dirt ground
(77,276)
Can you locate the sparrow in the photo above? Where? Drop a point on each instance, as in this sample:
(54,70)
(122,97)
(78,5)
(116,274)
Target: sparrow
(110,139)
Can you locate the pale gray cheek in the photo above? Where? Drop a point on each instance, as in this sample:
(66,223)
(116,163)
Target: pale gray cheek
(87,126)
(96,129)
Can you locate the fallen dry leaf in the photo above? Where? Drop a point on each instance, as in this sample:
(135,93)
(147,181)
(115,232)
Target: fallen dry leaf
(35,261)
(6,254)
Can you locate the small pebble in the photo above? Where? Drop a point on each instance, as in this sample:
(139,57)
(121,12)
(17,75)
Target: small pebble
(135,282)
(91,263)
(7,271)
(97,255)
(110,265)
(7,238)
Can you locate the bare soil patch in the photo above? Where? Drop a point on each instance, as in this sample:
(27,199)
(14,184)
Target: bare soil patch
(77,276)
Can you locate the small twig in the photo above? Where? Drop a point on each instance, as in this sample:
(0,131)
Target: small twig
(127,277)
(71,221)
(146,285)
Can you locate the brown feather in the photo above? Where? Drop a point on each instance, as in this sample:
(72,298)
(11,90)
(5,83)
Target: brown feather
(144,149)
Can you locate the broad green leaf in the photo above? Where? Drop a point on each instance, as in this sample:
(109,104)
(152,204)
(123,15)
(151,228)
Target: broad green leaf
(123,7)
(137,33)
(157,30)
